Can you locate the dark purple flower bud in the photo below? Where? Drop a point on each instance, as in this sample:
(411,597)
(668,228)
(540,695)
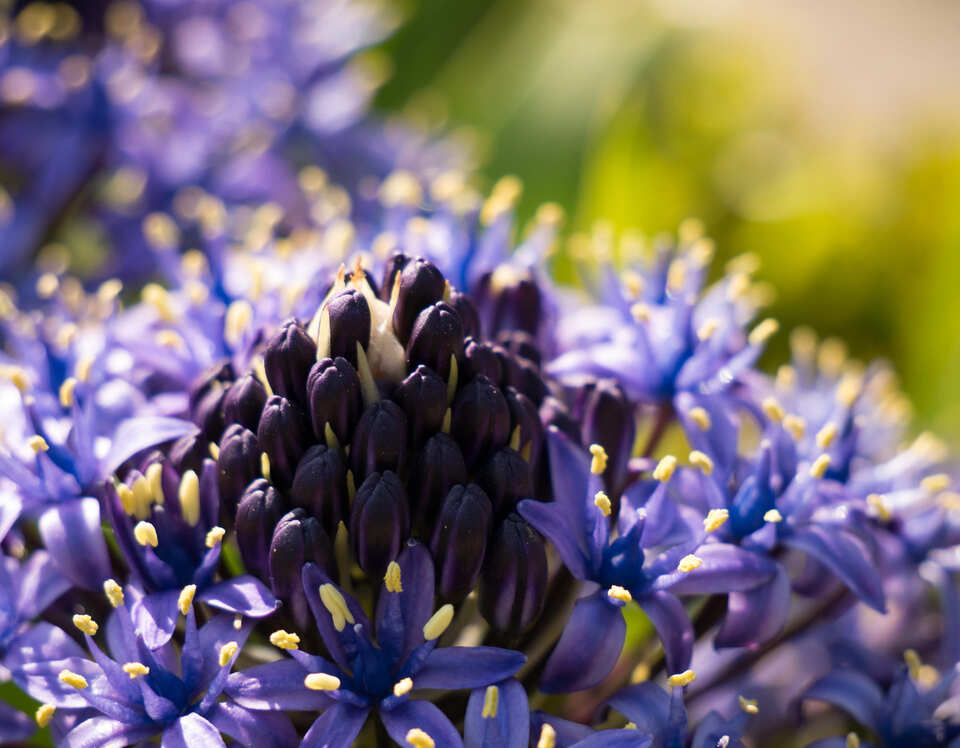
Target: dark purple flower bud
(379,522)
(298,539)
(481,419)
(520,344)
(525,376)
(394,265)
(244,401)
(507,478)
(608,420)
(524,415)
(349,324)
(423,397)
(188,453)
(460,540)
(513,584)
(480,358)
(512,306)
(380,440)
(258,512)
(468,313)
(333,393)
(421,284)
(206,402)
(238,464)
(287,360)
(439,466)
(320,486)
(437,335)
(282,435)
(555,413)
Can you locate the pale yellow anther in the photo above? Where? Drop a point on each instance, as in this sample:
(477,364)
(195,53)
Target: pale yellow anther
(715,519)
(336,605)
(321,682)
(392,579)
(227,651)
(630,726)
(127,500)
(19,379)
(616,592)
(284,639)
(114,592)
(66,392)
(401,188)
(403,686)
(168,339)
(935,483)
(763,332)
(86,624)
(640,674)
(135,669)
(160,231)
(676,275)
(832,356)
(548,737)
(599,462)
(602,502)
(772,515)
(214,536)
(417,738)
(265,465)
(663,472)
(146,534)
(214,450)
(73,679)
(879,506)
(491,701)
(708,328)
(44,714)
(748,705)
(795,426)
(154,478)
(826,435)
(438,623)
(700,417)
(773,409)
(189,495)
(786,377)
(819,467)
(185,600)
(238,622)
(853,740)
(681,679)
(38,444)
(83,368)
(700,460)
(689,562)
(640,312)
(237,321)
(849,389)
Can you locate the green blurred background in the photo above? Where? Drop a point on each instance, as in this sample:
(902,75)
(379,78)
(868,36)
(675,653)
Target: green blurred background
(823,136)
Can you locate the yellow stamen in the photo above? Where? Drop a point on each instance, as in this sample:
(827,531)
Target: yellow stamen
(681,679)
(44,714)
(83,368)
(155,481)
(284,639)
(676,275)
(936,483)
(640,311)
(214,449)
(616,592)
(72,679)
(819,467)
(599,462)
(391,579)
(227,651)
(630,726)
(265,465)
(640,674)
(335,604)
(419,739)
(19,379)
(321,682)
(786,377)
(763,332)
(602,502)
(663,472)
(772,515)
(491,700)
(748,705)
(38,444)
(135,669)
(403,687)
(146,534)
(853,740)
(237,321)
(214,536)
(849,389)
(114,592)
(142,497)
(826,435)
(700,417)
(66,392)
(879,506)
(86,624)
(190,498)
(773,409)
(438,623)
(795,426)
(715,519)
(185,600)
(126,497)
(702,461)
(708,328)
(548,737)
(689,562)
(238,622)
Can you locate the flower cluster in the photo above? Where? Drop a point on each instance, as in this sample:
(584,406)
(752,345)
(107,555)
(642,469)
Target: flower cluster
(346,477)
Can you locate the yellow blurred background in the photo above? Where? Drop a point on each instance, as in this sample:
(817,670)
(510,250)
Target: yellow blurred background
(822,135)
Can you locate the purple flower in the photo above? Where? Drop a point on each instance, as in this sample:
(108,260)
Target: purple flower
(362,676)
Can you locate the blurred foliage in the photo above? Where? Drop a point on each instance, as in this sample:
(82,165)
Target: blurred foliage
(619,114)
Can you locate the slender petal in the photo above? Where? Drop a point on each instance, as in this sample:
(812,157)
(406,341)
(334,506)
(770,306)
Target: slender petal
(14,725)
(335,728)
(38,585)
(72,536)
(672,623)
(423,715)
(191,730)
(509,727)
(245,595)
(103,732)
(467,667)
(275,685)
(554,523)
(724,568)
(645,704)
(615,739)
(757,615)
(155,616)
(137,434)
(401,615)
(853,692)
(271,730)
